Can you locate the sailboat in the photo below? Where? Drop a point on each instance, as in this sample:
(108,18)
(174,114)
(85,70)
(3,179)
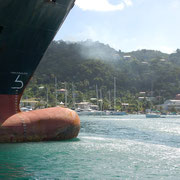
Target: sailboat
(115,112)
(153,115)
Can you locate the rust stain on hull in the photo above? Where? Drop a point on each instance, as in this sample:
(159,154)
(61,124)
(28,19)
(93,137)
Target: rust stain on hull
(41,125)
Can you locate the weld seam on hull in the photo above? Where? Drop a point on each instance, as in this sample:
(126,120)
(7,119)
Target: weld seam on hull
(23,125)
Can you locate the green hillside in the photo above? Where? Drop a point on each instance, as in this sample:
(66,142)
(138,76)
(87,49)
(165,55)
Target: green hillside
(92,64)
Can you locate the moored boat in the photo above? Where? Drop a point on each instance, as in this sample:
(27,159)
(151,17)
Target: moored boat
(153,115)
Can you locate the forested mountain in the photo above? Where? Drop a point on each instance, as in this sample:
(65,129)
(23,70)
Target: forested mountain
(87,64)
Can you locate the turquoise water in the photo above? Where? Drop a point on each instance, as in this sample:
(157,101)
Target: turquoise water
(109,147)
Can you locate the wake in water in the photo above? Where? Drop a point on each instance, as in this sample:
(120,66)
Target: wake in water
(128,147)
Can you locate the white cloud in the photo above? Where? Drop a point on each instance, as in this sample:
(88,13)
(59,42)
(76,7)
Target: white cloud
(175,4)
(102,5)
(128,2)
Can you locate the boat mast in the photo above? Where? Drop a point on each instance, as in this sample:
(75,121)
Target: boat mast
(114,93)
(97,97)
(65,94)
(55,91)
(73,96)
(109,93)
(47,97)
(101,100)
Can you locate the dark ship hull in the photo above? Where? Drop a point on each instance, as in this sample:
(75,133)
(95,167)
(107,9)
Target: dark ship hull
(26,29)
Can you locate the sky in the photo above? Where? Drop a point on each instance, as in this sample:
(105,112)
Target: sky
(125,25)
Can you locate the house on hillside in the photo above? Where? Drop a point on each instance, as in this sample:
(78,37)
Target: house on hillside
(177,97)
(170,104)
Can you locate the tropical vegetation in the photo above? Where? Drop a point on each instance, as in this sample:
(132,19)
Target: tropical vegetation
(87,70)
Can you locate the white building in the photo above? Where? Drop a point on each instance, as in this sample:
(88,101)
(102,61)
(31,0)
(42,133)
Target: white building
(87,106)
(169,104)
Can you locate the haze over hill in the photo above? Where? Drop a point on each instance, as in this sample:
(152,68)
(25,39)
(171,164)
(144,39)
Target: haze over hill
(83,66)
(89,63)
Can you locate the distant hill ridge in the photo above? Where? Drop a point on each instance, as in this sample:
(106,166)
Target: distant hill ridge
(88,63)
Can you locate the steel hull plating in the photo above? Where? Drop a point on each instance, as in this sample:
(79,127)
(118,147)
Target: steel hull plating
(26,29)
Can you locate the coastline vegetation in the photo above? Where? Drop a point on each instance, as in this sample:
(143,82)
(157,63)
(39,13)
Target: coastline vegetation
(83,67)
